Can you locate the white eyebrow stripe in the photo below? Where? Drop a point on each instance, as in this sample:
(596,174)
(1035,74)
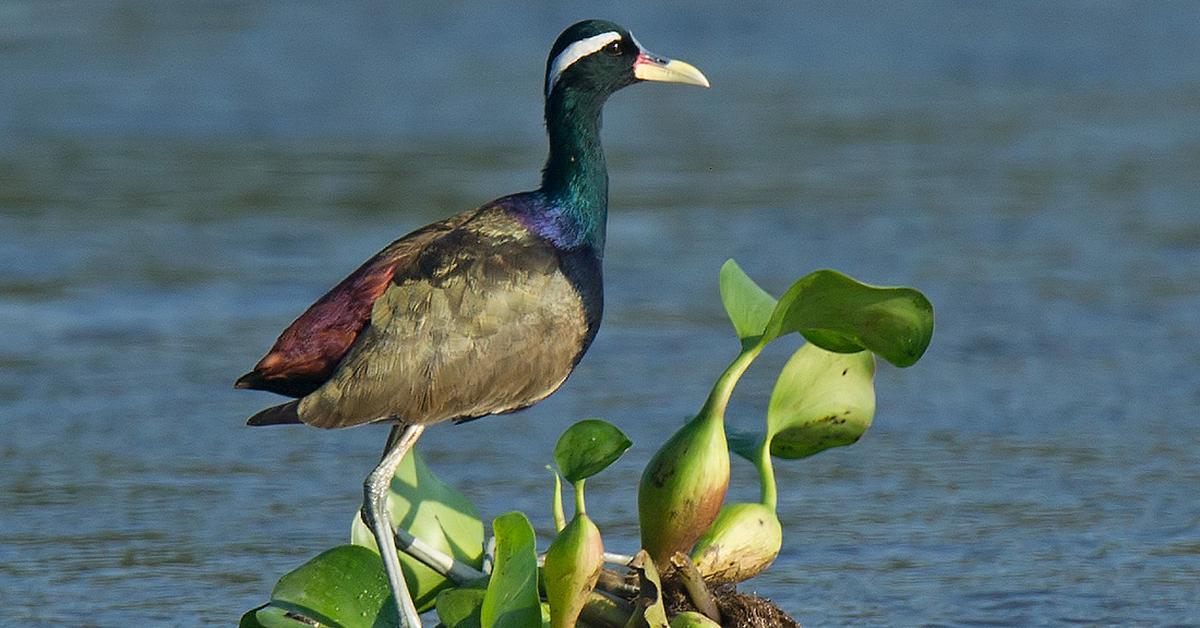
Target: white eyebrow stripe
(577,51)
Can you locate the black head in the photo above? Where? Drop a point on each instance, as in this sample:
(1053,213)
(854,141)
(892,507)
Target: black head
(599,57)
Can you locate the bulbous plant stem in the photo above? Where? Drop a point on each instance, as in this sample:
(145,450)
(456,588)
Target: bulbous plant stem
(684,484)
(572,565)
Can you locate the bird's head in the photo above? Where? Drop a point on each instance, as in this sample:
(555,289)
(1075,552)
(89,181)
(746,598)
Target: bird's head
(597,57)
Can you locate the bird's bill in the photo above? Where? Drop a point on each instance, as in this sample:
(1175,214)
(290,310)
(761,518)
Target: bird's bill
(649,67)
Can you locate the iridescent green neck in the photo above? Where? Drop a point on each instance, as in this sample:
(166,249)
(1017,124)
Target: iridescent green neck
(575,179)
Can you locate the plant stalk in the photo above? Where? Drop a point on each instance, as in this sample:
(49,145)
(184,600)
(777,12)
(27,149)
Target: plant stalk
(693,583)
(766,474)
(718,399)
(560,518)
(580,506)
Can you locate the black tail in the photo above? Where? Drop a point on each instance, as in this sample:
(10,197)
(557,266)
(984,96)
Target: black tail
(293,386)
(277,415)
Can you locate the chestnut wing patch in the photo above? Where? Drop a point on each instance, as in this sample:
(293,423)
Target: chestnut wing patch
(308,351)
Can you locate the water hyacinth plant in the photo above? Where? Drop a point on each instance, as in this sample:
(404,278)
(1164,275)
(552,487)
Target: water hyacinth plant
(824,397)
(575,558)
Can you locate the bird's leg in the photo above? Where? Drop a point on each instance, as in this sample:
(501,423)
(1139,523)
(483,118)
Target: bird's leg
(375,515)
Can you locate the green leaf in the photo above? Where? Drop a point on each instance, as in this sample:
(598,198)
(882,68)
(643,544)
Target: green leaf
(692,619)
(271,616)
(344,586)
(748,306)
(512,598)
(434,512)
(588,447)
(460,608)
(821,400)
(840,314)
(250,619)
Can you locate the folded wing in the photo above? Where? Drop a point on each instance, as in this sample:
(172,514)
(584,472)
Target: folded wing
(308,351)
(482,321)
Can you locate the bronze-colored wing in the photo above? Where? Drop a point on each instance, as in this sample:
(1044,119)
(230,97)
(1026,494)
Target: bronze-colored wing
(307,352)
(483,321)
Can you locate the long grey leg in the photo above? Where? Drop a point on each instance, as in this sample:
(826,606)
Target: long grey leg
(375,515)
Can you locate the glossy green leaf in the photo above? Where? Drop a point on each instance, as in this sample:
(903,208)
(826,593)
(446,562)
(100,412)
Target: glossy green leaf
(434,512)
(344,586)
(749,307)
(840,314)
(588,447)
(461,607)
(250,620)
(512,598)
(271,616)
(821,400)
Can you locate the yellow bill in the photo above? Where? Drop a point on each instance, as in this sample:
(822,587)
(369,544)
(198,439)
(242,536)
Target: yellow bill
(650,67)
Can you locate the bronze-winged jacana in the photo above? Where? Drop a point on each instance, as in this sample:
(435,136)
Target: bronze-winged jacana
(482,313)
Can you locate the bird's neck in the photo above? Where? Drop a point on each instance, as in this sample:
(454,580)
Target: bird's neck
(575,179)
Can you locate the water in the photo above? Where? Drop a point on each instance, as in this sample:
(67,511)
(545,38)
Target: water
(178,180)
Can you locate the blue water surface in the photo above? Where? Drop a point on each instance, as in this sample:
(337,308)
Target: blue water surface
(178,180)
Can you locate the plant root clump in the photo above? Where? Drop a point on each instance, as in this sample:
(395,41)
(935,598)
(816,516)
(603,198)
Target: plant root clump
(738,610)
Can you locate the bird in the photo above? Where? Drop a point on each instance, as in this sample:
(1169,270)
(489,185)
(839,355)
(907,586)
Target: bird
(485,312)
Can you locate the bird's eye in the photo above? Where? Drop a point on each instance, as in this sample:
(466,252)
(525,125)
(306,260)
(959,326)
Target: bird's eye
(615,48)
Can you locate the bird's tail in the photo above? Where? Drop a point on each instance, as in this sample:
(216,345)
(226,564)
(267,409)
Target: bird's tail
(277,415)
